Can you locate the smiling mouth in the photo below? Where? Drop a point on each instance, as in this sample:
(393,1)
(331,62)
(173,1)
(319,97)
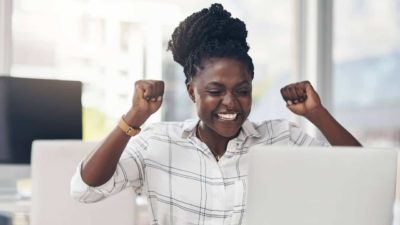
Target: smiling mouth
(227,116)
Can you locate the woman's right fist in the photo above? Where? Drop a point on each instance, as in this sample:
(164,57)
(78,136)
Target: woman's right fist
(147,97)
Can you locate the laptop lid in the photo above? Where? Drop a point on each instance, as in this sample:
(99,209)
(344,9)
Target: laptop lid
(321,186)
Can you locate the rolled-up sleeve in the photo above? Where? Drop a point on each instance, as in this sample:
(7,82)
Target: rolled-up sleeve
(129,173)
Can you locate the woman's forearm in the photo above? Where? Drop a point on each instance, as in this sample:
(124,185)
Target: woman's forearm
(101,164)
(335,133)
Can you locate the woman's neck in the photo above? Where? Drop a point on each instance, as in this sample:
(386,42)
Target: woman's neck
(214,141)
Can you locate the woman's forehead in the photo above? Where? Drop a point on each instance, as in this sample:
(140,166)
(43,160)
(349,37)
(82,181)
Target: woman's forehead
(223,70)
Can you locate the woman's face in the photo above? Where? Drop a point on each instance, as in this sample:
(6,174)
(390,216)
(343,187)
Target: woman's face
(221,92)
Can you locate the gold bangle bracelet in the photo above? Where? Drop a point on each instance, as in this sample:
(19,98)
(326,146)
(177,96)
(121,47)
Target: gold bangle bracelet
(128,130)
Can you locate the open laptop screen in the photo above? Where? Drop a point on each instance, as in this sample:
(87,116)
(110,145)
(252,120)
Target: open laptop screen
(321,186)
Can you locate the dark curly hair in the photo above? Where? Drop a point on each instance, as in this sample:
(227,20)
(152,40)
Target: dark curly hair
(209,33)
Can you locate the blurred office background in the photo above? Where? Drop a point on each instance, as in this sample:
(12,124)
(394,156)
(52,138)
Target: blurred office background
(349,49)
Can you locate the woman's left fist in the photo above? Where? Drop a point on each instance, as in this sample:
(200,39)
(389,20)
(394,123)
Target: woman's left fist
(301,98)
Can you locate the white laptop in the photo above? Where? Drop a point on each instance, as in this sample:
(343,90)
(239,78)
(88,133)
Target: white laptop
(321,186)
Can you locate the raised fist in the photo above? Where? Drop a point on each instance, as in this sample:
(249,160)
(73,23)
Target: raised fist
(147,99)
(301,98)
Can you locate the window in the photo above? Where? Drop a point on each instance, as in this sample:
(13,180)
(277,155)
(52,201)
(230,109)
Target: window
(367,69)
(109,44)
(106,45)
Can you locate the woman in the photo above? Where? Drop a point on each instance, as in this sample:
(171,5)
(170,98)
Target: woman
(193,172)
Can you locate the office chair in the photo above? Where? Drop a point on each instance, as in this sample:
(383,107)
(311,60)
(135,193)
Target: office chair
(53,164)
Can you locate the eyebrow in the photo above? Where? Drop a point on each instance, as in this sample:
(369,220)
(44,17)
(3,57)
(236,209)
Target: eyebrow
(221,85)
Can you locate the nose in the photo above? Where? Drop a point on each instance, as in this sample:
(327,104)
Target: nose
(229,101)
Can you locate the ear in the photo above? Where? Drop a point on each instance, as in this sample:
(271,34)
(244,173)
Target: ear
(190,90)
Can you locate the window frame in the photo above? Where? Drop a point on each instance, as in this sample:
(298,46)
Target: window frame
(5,38)
(313,51)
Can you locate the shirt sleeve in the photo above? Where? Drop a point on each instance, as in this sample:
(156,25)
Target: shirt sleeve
(129,173)
(300,138)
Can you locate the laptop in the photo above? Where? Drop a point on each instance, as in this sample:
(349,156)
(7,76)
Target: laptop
(321,186)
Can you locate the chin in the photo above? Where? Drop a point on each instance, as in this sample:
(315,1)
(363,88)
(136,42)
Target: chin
(228,129)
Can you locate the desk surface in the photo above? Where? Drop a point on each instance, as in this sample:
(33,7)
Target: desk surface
(13,204)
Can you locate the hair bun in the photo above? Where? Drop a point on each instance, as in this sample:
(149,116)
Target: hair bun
(210,32)
(204,27)
(218,9)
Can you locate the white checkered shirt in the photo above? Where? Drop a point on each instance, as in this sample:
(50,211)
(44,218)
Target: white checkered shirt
(180,176)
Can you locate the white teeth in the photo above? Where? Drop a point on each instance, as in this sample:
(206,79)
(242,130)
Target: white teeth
(227,116)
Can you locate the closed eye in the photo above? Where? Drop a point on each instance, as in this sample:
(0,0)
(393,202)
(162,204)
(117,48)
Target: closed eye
(243,92)
(214,92)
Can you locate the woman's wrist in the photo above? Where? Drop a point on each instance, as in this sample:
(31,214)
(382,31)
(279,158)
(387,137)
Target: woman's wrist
(317,115)
(134,118)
